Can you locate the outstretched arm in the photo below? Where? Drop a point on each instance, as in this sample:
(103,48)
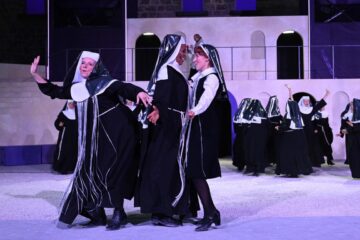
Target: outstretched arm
(327,93)
(290,92)
(33,70)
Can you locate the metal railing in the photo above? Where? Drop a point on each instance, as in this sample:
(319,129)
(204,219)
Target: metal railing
(258,63)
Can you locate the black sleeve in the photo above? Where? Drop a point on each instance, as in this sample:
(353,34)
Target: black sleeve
(126,90)
(318,106)
(354,129)
(58,120)
(54,91)
(285,125)
(162,98)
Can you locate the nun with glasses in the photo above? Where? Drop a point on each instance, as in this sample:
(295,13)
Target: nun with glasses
(106,168)
(352,131)
(202,137)
(307,113)
(293,158)
(255,138)
(275,119)
(65,155)
(239,123)
(162,188)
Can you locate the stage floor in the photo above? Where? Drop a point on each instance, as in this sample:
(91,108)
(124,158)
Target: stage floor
(324,205)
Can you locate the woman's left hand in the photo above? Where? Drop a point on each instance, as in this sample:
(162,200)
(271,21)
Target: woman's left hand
(144,98)
(191,114)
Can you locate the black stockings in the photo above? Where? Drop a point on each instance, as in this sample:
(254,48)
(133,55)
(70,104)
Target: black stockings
(203,190)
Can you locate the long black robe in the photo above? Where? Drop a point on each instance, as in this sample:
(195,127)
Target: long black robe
(354,149)
(255,140)
(292,158)
(273,138)
(111,176)
(160,181)
(203,148)
(325,138)
(65,155)
(238,157)
(312,138)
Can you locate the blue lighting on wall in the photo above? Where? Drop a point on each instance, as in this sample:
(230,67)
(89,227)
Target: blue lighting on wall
(192,5)
(35,7)
(247,5)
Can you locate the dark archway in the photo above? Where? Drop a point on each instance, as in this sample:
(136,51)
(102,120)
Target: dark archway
(146,52)
(290,59)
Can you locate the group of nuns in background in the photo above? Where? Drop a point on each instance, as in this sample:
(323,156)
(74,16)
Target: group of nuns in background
(295,142)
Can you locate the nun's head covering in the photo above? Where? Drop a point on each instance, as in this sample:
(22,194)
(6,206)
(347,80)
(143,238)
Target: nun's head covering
(96,81)
(347,109)
(272,107)
(356,110)
(238,118)
(304,108)
(213,55)
(169,49)
(69,112)
(293,113)
(254,109)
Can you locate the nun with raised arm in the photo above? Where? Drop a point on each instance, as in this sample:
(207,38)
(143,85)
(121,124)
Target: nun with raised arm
(65,155)
(238,156)
(307,113)
(293,158)
(106,167)
(352,130)
(202,143)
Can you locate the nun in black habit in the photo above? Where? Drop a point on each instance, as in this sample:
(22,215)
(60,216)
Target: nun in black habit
(344,118)
(161,189)
(65,155)
(275,119)
(293,158)
(307,113)
(202,138)
(352,130)
(255,138)
(325,135)
(239,123)
(106,167)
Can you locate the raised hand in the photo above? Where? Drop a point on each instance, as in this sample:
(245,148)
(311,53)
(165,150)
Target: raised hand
(33,70)
(34,65)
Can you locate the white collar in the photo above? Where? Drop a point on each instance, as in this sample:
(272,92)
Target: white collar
(202,74)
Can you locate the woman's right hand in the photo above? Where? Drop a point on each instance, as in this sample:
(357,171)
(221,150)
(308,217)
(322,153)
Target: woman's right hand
(34,65)
(33,71)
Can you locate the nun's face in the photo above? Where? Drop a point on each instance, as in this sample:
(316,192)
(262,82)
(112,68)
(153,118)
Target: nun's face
(201,62)
(306,102)
(180,58)
(86,66)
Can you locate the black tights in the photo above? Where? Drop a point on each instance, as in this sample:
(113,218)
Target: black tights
(203,190)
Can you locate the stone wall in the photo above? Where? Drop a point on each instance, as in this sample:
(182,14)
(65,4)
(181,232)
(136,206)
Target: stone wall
(168,8)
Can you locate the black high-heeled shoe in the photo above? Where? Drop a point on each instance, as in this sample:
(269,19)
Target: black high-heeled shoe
(119,219)
(330,162)
(97,217)
(206,222)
